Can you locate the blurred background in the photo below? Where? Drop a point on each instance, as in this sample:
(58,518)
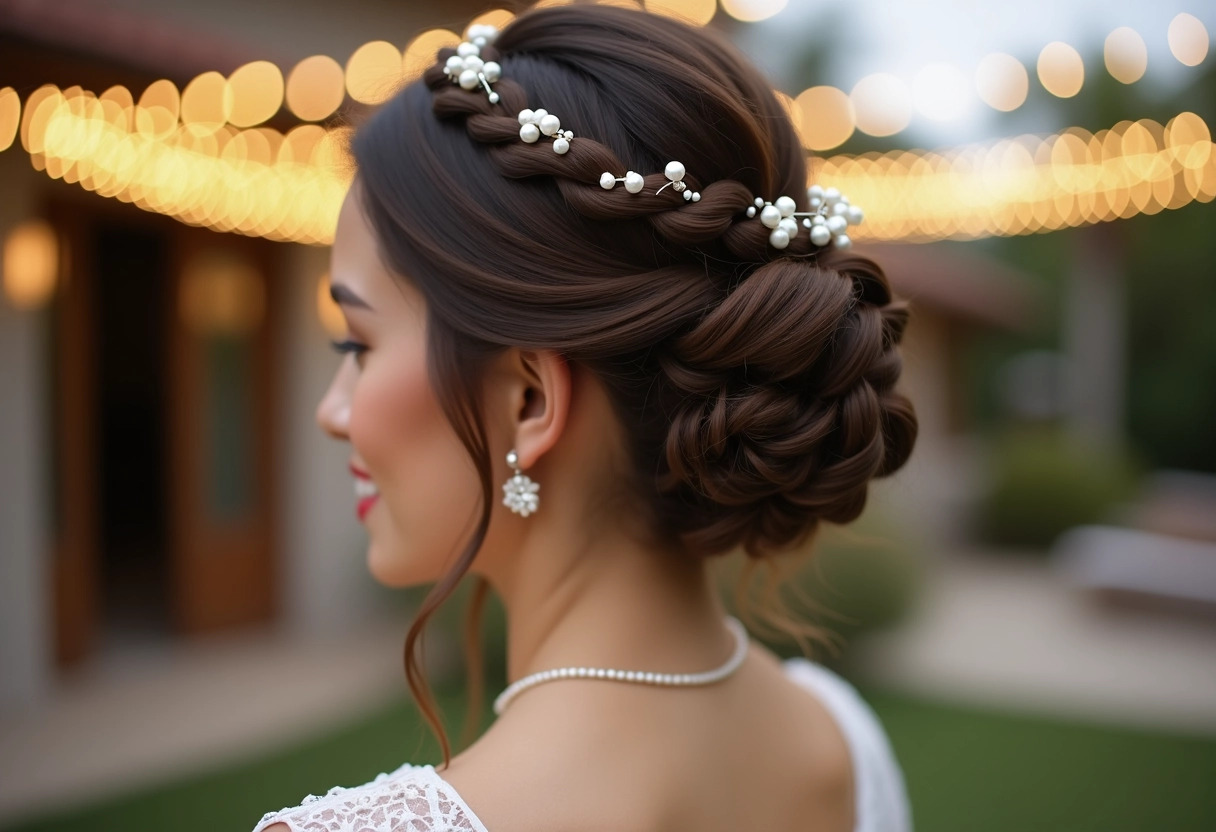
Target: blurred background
(188,633)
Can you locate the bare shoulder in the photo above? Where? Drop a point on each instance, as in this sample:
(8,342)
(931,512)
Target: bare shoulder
(807,743)
(757,752)
(278,827)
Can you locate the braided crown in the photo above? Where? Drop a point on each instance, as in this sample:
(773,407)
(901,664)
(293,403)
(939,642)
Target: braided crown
(472,67)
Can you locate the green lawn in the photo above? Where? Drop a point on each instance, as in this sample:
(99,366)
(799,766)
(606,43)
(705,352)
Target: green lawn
(967,770)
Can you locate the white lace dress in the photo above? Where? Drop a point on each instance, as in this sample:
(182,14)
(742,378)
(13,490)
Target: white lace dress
(418,799)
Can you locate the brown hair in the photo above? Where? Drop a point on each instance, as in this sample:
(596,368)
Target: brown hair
(754,385)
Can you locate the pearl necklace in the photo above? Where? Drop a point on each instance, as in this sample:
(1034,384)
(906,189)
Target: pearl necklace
(639,676)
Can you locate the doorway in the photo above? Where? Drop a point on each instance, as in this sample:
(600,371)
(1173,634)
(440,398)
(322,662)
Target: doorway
(131,266)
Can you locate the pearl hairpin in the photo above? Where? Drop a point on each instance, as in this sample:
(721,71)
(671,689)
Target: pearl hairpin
(467,68)
(829,217)
(634,181)
(535,123)
(675,172)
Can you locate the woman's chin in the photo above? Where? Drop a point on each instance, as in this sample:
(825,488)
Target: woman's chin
(390,567)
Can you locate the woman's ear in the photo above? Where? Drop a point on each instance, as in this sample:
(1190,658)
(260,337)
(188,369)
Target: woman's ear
(539,389)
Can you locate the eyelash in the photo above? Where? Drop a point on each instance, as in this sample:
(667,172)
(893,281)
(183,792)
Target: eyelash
(349,346)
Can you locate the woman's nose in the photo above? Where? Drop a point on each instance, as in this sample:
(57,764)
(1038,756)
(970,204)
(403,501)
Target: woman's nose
(333,411)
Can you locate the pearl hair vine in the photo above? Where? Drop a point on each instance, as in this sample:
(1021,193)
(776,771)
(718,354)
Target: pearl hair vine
(827,221)
(535,123)
(830,216)
(467,68)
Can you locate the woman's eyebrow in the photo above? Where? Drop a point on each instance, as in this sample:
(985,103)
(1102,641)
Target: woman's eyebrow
(344,296)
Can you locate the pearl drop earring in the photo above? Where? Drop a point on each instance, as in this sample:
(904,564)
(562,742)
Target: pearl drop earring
(519,491)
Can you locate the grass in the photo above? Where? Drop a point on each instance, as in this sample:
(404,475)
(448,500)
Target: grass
(967,769)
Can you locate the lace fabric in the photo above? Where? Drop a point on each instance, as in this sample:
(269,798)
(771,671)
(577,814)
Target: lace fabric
(418,799)
(413,798)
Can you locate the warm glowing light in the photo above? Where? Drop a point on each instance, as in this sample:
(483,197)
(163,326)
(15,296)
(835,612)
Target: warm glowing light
(825,117)
(1126,55)
(373,72)
(158,110)
(1061,71)
(695,12)
(422,51)
(497,18)
(315,88)
(207,102)
(261,182)
(1189,141)
(1188,39)
(328,312)
(940,92)
(31,264)
(221,294)
(10,116)
(750,11)
(882,104)
(1028,184)
(257,93)
(1002,81)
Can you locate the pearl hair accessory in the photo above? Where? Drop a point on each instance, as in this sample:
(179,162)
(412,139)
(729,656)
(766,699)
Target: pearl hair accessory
(519,491)
(829,217)
(466,67)
(535,123)
(634,182)
(632,179)
(827,221)
(675,172)
(639,676)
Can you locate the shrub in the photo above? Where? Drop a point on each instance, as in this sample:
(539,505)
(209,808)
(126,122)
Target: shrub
(1045,481)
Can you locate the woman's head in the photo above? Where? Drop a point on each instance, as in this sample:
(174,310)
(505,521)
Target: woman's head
(750,388)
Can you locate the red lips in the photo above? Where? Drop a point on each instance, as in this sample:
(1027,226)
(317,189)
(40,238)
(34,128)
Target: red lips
(365,502)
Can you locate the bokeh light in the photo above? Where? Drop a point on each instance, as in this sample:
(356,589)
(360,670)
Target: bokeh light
(10,116)
(374,72)
(423,50)
(315,88)
(1188,39)
(1001,81)
(696,12)
(329,313)
(1061,70)
(257,93)
(159,108)
(207,102)
(751,11)
(31,264)
(882,104)
(1125,55)
(824,117)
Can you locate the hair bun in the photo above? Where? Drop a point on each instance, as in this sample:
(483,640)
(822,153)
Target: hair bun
(787,408)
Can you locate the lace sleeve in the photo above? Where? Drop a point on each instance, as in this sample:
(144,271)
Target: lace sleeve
(412,797)
(882,801)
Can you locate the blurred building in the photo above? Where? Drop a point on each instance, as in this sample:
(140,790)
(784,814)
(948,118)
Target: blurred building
(162,472)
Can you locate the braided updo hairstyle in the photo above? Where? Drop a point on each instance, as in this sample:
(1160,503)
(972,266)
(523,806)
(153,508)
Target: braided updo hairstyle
(754,386)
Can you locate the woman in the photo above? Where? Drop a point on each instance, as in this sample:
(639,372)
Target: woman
(578,385)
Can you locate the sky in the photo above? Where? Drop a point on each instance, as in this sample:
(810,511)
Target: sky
(902,36)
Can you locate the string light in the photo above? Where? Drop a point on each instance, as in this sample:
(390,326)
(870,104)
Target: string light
(199,154)
(1028,184)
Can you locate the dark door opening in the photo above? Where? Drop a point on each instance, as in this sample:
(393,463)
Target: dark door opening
(131,269)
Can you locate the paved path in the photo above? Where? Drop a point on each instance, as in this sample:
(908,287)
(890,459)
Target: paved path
(153,713)
(1012,633)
